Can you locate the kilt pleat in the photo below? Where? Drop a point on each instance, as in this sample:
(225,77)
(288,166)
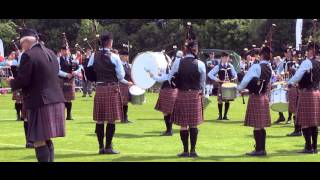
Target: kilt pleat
(308,109)
(188,110)
(124,89)
(258,111)
(293,99)
(107,104)
(166,100)
(46,122)
(68,90)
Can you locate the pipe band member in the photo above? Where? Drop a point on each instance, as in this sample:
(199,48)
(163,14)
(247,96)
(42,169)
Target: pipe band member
(257,81)
(190,79)
(167,96)
(308,116)
(43,97)
(124,88)
(226,73)
(108,70)
(69,68)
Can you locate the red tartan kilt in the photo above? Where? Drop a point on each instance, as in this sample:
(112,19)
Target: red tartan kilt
(308,109)
(107,104)
(166,100)
(68,90)
(124,89)
(17,96)
(24,112)
(258,111)
(293,99)
(188,110)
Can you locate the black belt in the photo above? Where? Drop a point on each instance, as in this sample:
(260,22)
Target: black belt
(107,84)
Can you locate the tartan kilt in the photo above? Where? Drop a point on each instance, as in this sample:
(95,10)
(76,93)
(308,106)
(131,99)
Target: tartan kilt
(107,104)
(46,122)
(188,109)
(68,88)
(258,111)
(166,100)
(293,99)
(308,109)
(24,112)
(17,96)
(124,89)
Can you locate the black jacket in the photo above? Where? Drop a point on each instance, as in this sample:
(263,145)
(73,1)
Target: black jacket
(38,78)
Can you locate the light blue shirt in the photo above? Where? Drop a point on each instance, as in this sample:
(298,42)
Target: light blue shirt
(281,68)
(305,66)
(212,74)
(254,71)
(201,69)
(115,59)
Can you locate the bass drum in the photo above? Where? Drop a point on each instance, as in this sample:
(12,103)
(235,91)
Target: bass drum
(154,62)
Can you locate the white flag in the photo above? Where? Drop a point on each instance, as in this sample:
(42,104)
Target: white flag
(1,48)
(299,33)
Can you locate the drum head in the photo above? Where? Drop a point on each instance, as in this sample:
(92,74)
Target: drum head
(136,91)
(154,62)
(229,85)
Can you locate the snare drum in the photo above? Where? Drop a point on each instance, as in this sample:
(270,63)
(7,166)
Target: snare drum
(229,91)
(137,95)
(279,100)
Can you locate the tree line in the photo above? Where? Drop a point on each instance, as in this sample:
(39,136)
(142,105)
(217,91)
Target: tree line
(160,34)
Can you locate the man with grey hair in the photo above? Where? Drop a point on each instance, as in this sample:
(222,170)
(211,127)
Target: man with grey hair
(43,97)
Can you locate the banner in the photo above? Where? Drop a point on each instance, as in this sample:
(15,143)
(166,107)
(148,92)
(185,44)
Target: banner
(1,48)
(299,33)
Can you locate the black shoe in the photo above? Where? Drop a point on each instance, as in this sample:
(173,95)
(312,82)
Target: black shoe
(167,133)
(83,95)
(69,118)
(90,95)
(257,153)
(225,118)
(280,120)
(306,151)
(102,151)
(288,121)
(29,145)
(126,121)
(315,151)
(111,151)
(219,118)
(184,154)
(193,154)
(294,134)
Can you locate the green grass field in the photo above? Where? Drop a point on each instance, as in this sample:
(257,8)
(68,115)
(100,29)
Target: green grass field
(140,140)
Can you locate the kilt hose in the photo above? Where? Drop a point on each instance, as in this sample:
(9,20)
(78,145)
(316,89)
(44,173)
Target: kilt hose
(125,96)
(188,109)
(17,96)
(258,111)
(68,88)
(308,113)
(166,100)
(293,99)
(107,104)
(46,122)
